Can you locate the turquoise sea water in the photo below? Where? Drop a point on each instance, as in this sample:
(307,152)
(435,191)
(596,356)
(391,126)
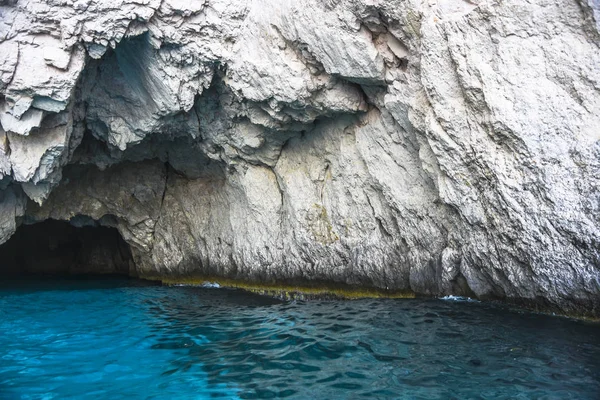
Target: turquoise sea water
(122,339)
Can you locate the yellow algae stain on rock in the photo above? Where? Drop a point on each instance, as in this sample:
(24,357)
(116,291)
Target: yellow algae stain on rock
(290,291)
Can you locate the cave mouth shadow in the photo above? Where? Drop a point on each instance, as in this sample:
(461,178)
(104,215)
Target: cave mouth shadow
(57,248)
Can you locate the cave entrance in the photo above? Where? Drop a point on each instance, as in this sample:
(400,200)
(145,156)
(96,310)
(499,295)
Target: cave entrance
(59,248)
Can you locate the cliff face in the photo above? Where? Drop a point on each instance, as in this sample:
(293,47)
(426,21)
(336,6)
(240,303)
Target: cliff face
(446,147)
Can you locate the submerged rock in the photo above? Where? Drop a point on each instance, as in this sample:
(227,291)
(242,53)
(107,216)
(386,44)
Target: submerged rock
(441,147)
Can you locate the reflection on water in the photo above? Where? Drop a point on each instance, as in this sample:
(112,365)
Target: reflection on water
(123,339)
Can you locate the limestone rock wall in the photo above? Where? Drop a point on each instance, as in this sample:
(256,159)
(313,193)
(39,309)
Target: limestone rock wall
(446,147)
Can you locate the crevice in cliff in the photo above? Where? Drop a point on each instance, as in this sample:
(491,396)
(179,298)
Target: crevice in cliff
(18,58)
(162,199)
(56,247)
(168,171)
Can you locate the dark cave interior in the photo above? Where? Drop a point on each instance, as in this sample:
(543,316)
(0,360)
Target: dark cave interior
(58,248)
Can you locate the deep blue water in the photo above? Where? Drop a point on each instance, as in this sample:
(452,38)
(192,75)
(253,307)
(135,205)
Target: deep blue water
(121,339)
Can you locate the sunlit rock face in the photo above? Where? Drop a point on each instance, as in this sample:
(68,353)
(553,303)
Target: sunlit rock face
(446,147)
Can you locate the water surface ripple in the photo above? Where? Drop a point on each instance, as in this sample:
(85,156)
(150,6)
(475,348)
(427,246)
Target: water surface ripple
(121,339)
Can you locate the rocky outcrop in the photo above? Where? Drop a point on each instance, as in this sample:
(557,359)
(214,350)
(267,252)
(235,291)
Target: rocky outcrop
(444,147)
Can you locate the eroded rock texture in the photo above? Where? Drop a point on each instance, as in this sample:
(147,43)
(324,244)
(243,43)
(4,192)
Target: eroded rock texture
(446,147)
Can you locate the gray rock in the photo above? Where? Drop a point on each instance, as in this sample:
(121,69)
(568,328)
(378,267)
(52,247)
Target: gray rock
(443,147)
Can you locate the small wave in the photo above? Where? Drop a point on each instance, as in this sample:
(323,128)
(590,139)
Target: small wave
(458,298)
(211,285)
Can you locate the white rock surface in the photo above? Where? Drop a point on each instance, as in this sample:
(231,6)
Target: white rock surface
(446,147)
